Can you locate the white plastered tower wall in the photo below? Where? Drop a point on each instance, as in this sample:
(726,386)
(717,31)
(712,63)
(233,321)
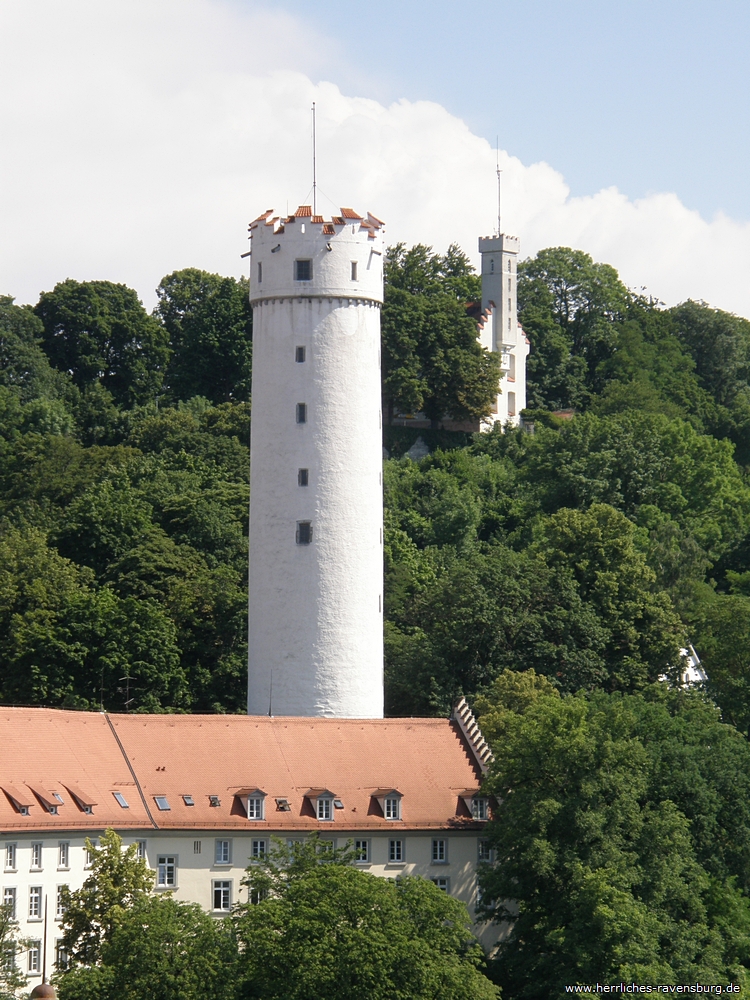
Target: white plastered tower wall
(316,607)
(499,330)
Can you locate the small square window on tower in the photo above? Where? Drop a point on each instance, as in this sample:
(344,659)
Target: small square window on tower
(303,270)
(303,477)
(299,355)
(354,270)
(304,532)
(301,413)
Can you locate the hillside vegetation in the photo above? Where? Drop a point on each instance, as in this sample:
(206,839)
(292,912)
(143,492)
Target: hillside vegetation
(591,550)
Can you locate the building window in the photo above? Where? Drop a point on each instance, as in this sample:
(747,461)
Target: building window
(439,852)
(304,532)
(354,270)
(301,413)
(299,355)
(509,305)
(35,955)
(141,852)
(61,956)
(509,323)
(258,850)
(10,857)
(512,366)
(188,800)
(9,901)
(393,808)
(508,284)
(223,855)
(362,851)
(35,902)
(256,896)
(63,854)
(260,272)
(36,856)
(303,477)
(395,850)
(89,857)
(492,267)
(121,800)
(509,265)
(166,871)
(222,891)
(303,270)
(324,809)
(255,807)
(484,851)
(162,803)
(214,800)
(511,404)
(197,847)
(60,902)
(441,883)
(480,808)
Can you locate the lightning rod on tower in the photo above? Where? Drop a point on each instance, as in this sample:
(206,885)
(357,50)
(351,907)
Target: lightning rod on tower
(315,168)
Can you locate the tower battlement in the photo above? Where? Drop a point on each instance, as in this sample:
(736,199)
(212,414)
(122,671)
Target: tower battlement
(305,254)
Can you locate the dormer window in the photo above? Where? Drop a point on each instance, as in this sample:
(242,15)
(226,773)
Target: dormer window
(480,808)
(253,799)
(389,800)
(255,807)
(324,808)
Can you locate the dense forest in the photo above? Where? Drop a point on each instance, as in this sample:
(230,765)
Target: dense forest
(590,550)
(551,573)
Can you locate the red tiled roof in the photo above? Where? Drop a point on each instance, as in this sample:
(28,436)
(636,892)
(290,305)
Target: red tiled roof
(143,756)
(349,213)
(317,218)
(304,212)
(328,230)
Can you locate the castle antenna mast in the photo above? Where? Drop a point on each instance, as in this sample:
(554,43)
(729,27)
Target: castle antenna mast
(315,166)
(499,185)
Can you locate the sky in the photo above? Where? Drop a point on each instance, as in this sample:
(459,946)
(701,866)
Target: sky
(141,136)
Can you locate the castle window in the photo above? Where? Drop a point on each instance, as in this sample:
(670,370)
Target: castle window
(303,270)
(508,284)
(299,354)
(301,413)
(511,404)
(303,477)
(509,265)
(354,270)
(509,322)
(509,305)
(492,267)
(260,272)
(304,533)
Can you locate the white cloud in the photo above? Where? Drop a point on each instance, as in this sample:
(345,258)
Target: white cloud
(140,136)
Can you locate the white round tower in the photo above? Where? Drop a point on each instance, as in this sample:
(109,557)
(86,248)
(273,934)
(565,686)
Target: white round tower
(316,500)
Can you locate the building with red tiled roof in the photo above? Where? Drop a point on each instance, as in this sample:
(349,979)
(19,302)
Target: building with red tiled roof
(204,795)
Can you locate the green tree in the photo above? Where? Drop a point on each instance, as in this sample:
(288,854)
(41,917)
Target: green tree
(158,948)
(568,305)
(598,840)
(321,928)
(432,360)
(12,980)
(209,322)
(99,331)
(119,880)
(24,367)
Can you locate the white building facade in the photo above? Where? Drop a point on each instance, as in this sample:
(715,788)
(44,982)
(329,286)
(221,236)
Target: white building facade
(316,508)
(499,330)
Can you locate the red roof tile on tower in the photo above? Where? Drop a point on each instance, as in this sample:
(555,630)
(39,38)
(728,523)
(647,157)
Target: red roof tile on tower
(317,218)
(304,212)
(328,230)
(349,213)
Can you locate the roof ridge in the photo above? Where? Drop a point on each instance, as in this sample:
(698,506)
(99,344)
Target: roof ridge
(132,771)
(469,726)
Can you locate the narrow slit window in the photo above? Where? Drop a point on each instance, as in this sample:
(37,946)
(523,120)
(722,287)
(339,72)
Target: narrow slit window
(492,267)
(303,270)
(301,413)
(354,270)
(509,265)
(260,272)
(303,477)
(304,532)
(299,355)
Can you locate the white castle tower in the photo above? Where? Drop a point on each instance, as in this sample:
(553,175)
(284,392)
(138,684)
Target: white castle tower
(498,327)
(316,504)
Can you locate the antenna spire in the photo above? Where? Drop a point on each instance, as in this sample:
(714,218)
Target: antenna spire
(499,186)
(315,166)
